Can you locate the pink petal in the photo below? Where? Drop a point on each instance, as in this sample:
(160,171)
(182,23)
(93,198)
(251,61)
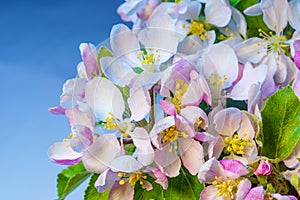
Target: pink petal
(256,193)
(191,154)
(233,168)
(210,193)
(168,161)
(106,180)
(209,170)
(227,121)
(160,177)
(76,117)
(58,110)
(243,188)
(89,58)
(61,153)
(168,107)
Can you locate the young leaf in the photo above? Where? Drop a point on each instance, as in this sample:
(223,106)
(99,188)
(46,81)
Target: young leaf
(234,2)
(103,52)
(281,119)
(91,193)
(184,186)
(156,193)
(70,178)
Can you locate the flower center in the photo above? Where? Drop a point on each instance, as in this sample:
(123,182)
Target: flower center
(110,122)
(133,178)
(275,43)
(149,58)
(180,90)
(171,134)
(236,145)
(197,28)
(225,187)
(216,83)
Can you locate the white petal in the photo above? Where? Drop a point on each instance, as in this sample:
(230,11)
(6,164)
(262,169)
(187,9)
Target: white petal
(139,103)
(294,14)
(104,97)
(217,12)
(119,72)
(125,164)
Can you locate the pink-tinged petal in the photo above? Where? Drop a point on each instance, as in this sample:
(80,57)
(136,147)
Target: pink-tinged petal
(58,110)
(296,85)
(217,12)
(225,65)
(141,139)
(168,161)
(185,10)
(125,163)
(192,114)
(204,137)
(227,121)
(209,170)
(125,44)
(197,91)
(234,168)
(121,192)
(61,153)
(98,156)
(82,139)
(243,188)
(160,177)
(118,71)
(104,97)
(147,9)
(77,117)
(250,76)
(139,103)
(253,10)
(269,87)
(126,10)
(251,50)
(246,127)
(254,97)
(168,108)
(191,154)
(256,193)
(297,59)
(292,161)
(275,15)
(106,180)
(210,193)
(88,54)
(215,147)
(283,197)
(73,90)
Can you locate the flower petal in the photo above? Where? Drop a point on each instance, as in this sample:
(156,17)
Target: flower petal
(139,103)
(217,12)
(104,97)
(210,193)
(98,156)
(125,163)
(121,192)
(191,154)
(106,180)
(88,54)
(234,168)
(256,193)
(61,153)
(209,170)
(227,121)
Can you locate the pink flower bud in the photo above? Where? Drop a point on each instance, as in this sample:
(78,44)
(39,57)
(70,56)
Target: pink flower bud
(264,168)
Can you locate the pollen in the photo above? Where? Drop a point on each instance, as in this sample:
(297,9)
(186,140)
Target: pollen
(171,134)
(137,177)
(148,57)
(236,145)
(122,182)
(226,188)
(180,89)
(197,28)
(216,80)
(109,123)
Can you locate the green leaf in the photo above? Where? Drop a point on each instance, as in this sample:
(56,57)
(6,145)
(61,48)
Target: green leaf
(253,22)
(103,52)
(91,193)
(70,178)
(234,2)
(281,124)
(184,186)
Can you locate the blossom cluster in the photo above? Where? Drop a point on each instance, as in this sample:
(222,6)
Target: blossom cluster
(155,99)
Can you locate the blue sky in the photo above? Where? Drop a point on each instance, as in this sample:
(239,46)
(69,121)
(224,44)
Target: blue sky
(38,52)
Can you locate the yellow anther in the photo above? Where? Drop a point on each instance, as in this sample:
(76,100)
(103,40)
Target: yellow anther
(197,28)
(169,134)
(226,29)
(148,58)
(70,136)
(109,123)
(135,177)
(231,35)
(236,145)
(120,174)
(122,182)
(226,188)
(180,89)
(64,140)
